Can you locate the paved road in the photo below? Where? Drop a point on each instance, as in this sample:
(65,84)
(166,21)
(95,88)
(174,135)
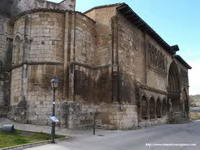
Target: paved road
(136,139)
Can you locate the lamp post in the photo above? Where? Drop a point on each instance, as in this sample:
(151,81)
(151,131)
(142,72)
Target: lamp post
(54,85)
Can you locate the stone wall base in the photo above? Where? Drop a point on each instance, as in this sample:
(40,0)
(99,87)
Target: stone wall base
(3,111)
(78,115)
(153,122)
(178,118)
(81,115)
(37,114)
(108,116)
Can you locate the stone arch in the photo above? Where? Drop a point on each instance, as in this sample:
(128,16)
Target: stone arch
(144,108)
(174,87)
(164,107)
(158,108)
(152,104)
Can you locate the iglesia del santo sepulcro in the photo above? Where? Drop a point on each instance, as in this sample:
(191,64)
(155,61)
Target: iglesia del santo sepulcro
(108,60)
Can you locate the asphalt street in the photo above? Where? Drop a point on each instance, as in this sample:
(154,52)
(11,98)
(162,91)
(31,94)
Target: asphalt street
(163,137)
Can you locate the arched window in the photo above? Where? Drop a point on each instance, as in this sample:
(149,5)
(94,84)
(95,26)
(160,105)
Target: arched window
(17,50)
(144,106)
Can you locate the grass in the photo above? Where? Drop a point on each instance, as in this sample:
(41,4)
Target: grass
(18,137)
(195,115)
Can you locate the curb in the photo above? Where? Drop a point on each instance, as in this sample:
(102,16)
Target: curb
(30,145)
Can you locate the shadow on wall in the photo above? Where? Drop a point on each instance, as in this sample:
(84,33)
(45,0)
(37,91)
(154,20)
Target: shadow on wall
(93,85)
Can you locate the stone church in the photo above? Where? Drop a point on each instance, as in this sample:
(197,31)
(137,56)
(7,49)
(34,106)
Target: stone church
(109,62)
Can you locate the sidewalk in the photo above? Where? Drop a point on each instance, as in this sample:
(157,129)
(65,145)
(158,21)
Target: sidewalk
(47,129)
(74,134)
(32,128)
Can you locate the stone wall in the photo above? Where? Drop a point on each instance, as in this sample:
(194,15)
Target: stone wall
(37,58)
(157,71)
(119,116)
(4,32)
(5,62)
(38,37)
(92,83)
(129,55)
(184,88)
(14,7)
(131,50)
(108,116)
(46,37)
(3,37)
(67,4)
(102,17)
(24,5)
(153,122)
(1,94)
(85,40)
(34,97)
(39,100)
(16,86)
(78,115)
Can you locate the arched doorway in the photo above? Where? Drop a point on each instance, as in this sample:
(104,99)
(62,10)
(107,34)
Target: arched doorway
(174,87)
(164,107)
(152,108)
(144,111)
(158,108)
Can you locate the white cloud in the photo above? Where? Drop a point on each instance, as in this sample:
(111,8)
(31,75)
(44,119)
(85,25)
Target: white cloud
(194,76)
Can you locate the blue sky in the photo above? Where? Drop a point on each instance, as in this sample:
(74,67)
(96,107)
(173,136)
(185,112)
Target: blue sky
(176,21)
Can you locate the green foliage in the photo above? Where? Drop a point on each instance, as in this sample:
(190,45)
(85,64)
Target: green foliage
(22,137)
(195,97)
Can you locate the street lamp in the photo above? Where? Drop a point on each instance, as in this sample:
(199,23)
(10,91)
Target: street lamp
(54,85)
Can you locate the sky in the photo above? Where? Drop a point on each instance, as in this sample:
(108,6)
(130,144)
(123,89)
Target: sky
(176,21)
